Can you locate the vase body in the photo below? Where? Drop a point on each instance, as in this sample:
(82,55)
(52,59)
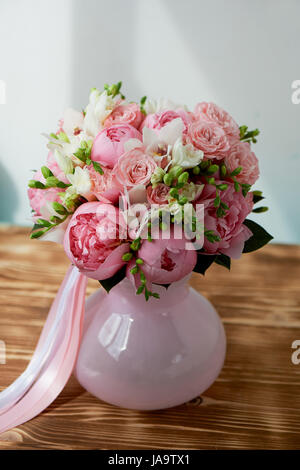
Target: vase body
(150,355)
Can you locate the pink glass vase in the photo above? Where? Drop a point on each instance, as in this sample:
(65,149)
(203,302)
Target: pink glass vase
(150,355)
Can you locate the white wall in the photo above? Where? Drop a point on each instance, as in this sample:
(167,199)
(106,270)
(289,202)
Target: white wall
(241,54)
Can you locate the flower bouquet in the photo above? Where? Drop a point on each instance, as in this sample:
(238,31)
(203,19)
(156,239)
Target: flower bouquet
(141,195)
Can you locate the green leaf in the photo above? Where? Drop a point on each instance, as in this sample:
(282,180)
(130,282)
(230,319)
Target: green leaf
(55,220)
(37,234)
(46,172)
(248,136)
(223,260)
(140,289)
(37,227)
(80,154)
(217,201)
(63,137)
(155,295)
(259,238)
(258,210)
(61,184)
(59,208)
(203,262)
(44,223)
(97,167)
(109,283)
(257,196)
(36,184)
(222,186)
(236,171)
(211,236)
(51,181)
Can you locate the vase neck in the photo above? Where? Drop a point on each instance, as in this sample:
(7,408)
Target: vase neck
(169,296)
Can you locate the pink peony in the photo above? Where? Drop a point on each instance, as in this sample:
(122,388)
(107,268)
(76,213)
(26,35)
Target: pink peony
(106,187)
(241,155)
(134,168)
(165,261)
(108,146)
(212,112)
(93,240)
(38,198)
(208,137)
(159,194)
(229,228)
(158,120)
(125,114)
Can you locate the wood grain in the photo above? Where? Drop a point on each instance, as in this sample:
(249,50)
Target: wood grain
(255,402)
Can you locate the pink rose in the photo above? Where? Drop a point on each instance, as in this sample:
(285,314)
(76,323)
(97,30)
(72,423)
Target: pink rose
(93,240)
(229,228)
(108,146)
(125,114)
(159,194)
(165,261)
(134,168)
(210,138)
(105,187)
(158,120)
(38,198)
(241,155)
(212,112)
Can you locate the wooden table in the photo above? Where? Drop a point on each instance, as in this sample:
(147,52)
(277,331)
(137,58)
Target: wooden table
(255,402)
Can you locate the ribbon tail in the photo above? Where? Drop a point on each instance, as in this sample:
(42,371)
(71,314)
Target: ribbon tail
(54,357)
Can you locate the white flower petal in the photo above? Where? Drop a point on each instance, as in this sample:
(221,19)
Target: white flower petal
(57,233)
(171,131)
(156,106)
(150,137)
(64,162)
(98,109)
(80,181)
(47,211)
(72,119)
(185,155)
(132,144)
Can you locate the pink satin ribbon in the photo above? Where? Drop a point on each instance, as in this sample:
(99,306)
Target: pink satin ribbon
(54,358)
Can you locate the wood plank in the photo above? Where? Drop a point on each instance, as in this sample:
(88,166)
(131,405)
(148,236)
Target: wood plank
(255,402)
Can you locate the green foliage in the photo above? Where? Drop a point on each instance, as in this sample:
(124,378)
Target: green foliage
(203,262)
(248,136)
(109,283)
(223,260)
(259,238)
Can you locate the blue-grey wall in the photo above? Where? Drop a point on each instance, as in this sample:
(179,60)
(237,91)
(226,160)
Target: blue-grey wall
(241,54)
